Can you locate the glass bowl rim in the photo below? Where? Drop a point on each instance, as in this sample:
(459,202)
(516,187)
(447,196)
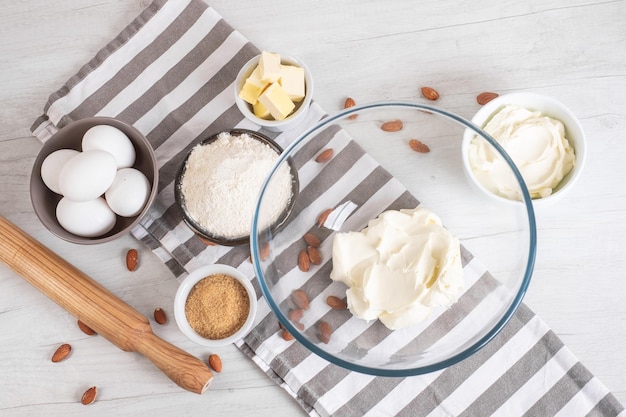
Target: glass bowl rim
(255,249)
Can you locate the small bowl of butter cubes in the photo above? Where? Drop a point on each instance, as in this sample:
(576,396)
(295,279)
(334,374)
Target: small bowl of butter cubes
(274,91)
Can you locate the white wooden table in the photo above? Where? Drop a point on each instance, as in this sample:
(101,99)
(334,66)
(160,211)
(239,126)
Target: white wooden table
(573,50)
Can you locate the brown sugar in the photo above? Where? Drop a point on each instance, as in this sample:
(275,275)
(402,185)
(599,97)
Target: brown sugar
(217,306)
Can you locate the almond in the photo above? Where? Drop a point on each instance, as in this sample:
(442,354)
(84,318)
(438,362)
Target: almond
(312,240)
(62,352)
(264,253)
(322,217)
(206,241)
(350,103)
(300,299)
(299,325)
(324,156)
(85,329)
(392,125)
(159,316)
(295,314)
(336,303)
(314,255)
(324,331)
(215,362)
(89,396)
(304,263)
(486,97)
(419,146)
(286,335)
(132,258)
(430,93)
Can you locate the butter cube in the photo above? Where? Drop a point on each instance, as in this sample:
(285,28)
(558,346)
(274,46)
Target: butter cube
(269,64)
(292,81)
(253,87)
(277,102)
(260,110)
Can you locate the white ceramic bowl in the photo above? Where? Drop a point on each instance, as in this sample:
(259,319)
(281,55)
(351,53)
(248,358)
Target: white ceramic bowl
(290,121)
(183,292)
(549,107)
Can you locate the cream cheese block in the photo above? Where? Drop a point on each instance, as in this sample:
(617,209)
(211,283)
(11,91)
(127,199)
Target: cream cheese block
(269,65)
(253,87)
(277,102)
(292,81)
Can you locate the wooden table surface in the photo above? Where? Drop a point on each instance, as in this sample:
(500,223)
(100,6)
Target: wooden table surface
(573,50)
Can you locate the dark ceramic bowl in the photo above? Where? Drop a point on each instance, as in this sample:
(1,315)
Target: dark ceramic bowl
(193,224)
(45,201)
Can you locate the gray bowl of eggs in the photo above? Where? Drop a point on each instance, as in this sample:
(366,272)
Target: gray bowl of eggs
(93,180)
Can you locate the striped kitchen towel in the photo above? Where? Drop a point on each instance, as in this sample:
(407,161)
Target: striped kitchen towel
(170,73)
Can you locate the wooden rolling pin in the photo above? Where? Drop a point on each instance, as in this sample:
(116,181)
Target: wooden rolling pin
(97,307)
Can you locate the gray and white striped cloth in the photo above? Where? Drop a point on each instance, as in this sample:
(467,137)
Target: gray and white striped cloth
(170,73)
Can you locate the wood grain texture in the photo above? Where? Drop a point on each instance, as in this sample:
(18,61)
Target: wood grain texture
(574,51)
(97,307)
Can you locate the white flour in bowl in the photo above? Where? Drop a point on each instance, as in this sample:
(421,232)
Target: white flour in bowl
(222,181)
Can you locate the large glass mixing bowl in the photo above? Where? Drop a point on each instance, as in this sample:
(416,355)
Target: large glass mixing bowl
(375,167)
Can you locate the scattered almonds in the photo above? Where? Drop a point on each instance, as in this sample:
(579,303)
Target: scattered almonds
(286,335)
(132,258)
(322,217)
(430,93)
(336,303)
(419,146)
(324,156)
(215,362)
(300,299)
(295,314)
(89,396)
(350,103)
(312,240)
(264,253)
(392,126)
(304,263)
(314,255)
(324,331)
(486,97)
(85,329)
(62,352)
(159,316)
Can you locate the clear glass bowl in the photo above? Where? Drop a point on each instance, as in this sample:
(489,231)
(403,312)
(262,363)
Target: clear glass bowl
(375,170)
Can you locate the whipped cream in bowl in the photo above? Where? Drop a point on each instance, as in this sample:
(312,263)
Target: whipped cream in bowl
(400,267)
(543,138)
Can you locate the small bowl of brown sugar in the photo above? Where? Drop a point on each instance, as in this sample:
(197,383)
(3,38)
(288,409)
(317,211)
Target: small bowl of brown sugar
(215,305)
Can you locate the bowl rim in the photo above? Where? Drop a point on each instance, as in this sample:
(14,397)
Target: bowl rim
(255,248)
(180,198)
(49,147)
(292,119)
(183,291)
(533,101)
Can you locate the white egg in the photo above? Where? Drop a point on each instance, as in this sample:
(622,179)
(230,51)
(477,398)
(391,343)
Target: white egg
(114,141)
(87,175)
(52,165)
(128,193)
(85,218)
